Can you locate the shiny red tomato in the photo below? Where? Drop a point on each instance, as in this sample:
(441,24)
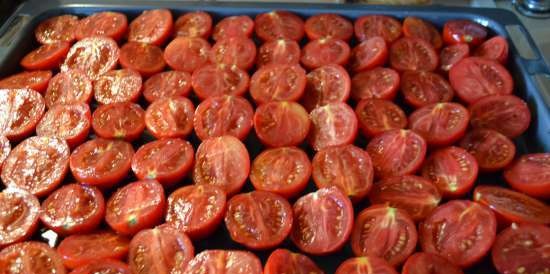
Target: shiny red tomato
(136,206)
(48,56)
(167,160)
(222,161)
(346,167)
(331,125)
(68,87)
(196,210)
(194,24)
(101,162)
(365,265)
(30,257)
(280,51)
(223,115)
(161,250)
(170,117)
(326,84)
(233,26)
(81,249)
(215,80)
(529,174)
(324,220)
(378,83)
(453,171)
(463,31)
(461,231)
(279,124)
(57,29)
(225,261)
(151,27)
(474,78)
(144,58)
(325,51)
(422,88)
(452,54)
(440,124)
(22,110)
(278,83)
(369,54)
(258,220)
(238,51)
(376,116)
(369,26)
(108,24)
(36,80)
(73,208)
(167,84)
(492,150)
(422,263)
(490,111)
(69,122)
(417,196)
(20,212)
(419,28)
(124,121)
(413,54)
(285,171)
(37,164)
(279,24)
(118,86)
(94,56)
(495,48)
(103,266)
(187,53)
(522,248)
(328,25)
(396,152)
(283,261)
(385,232)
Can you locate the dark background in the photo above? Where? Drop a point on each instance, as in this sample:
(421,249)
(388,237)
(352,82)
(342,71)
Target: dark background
(7,7)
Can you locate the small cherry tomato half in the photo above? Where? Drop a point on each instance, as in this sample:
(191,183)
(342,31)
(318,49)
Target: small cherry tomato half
(57,29)
(278,83)
(422,263)
(377,25)
(463,31)
(490,112)
(108,24)
(94,56)
(328,25)
(331,125)
(36,80)
(170,117)
(492,150)
(167,84)
(151,27)
(187,53)
(369,54)
(325,51)
(238,51)
(378,83)
(118,86)
(440,124)
(376,116)
(124,121)
(69,122)
(452,54)
(283,261)
(20,212)
(279,24)
(413,54)
(68,87)
(419,28)
(144,58)
(194,24)
(529,174)
(279,124)
(280,51)
(422,88)
(495,48)
(215,80)
(365,265)
(48,56)
(103,266)
(81,249)
(30,257)
(22,109)
(326,84)
(225,261)
(233,26)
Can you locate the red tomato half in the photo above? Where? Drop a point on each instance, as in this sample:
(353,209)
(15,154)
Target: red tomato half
(419,28)
(223,115)
(492,150)
(377,25)
(151,27)
(495,48)
(369,54)
(20,212)
(225,261)
(522,248)
(324,220)
(233,26)
(117,86)
(376,116)
(124,121)
(22,109)
(170,117)
(325,51)
(332,124)
(278,83)
(511,206)
(378,83)
(529,174)
(108,24)
(68,87)
(94,56)
(78,250)
(328,25)
(30,257)
(452,54)
(196,210)
(167,161)
(258,220)
(365,265)
(103,266)
(279,124)
(167,84)
(415,195)
(280,51)
(57,29)
(101,162)
(36,80)
(284,170)
(326,84)
(45,57)
(422,88)
(464,31)
(422,263)
(160,250)
(144,58)
(347,167)
(440,124)
(385,232)
(238,51)
(279,25)
(396,152)
(283,261)
(73,208)
(453,171)
(490,112)
(461,231)
(187,53)
(413,54)
(215,80)
(136,206)
(222,161)
(194,24)
(37,164)
(474,78)
(69,122)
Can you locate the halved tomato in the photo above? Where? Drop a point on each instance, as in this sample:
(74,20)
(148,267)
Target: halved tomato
(124,121)
(365,265)
(419,28)
(278,83)
(36,80)
(144,58)
(283,261)
(20,212)
(452,54)
(422,88)
(369,26)
(422,263)
(529,174)
(461,231)
(233,26)
(325,51)
(94,56)
(238,51)
(48,56)
(170,117)
(223,115)
(492,150)
(415,195)
(495,48)
(328,25)
(57,29)
(279,124)
(440,124)
(103,266)
(69,122)
(413,54)
(107,23)
(225,261)
(324,220)
(68,87)
(331,125)
(279,24)
(81,249)
(280,51)
(377,83)
(369,54)
(22,110)
(167,84)
(118,86)
(326,84)
(73,208)
(187,53)
(396,152)
(30,257)
(5,149)
(490,112)
(151,27)
(214,80)
(194,24)
(463,31)
(376,116)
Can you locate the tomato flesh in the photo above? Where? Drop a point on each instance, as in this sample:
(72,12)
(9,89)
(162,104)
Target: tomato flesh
(495,48)
(225,261)
(413,54)
(422,88)
(365,265)
(279,24)
(492,150)
(279,124)
(280,51)
(151,27)
(187,53)
(36,80)
(103,266)
(529,174)
(223,115)
(326,84)
(328,26)
(440,124)
(124,121)
(22,109)
(452,54)
(277,83)
(377,25)
(167,84)
(378,83)
(325,51)
(57,29)
(376,116)
(369,54)
(238,25)
(170,117)
(144,58)
(419,28)
(332,124)
(194,24)
(20,212)
(117,86)
(284,261)
(45,57)
(31,257)
(81,249)
(421,263)
(68,87)
(107,24)
(69,122)
(490,111)
(214,80)
(94,56)
(238,51)
(463,31)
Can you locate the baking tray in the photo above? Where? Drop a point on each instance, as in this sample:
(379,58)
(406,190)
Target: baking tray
(17,39)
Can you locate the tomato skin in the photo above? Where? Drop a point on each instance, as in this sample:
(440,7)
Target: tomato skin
(495,48)
(56,29)
(326,84)
(365,265)
(440,124)
(279,24)
(215,80)
(167,84)
(223,115)
(377,25)
(421,263)
(193,24)
(73,208)
(452,54)
(511,206)
(490,111)
(527,174)
(109,24)
(238,51)
(68,87)
(325,51)
(369,54)
(225,261)
(238,25)
(36,80)
(280,51)
(69,122)
(144,58)
(277,83)
(324,132)
(15,259)
(279,124)
(46,57)
(447,232)
(20,120)
(413,54)
(463,31)
(103,266)
(492,150)
(378,83)
(151,27)
(376,116)
(123,120)
(20,211)
(82,56)
(422,88)
(170,117)
(284,261)
(187,53)
(328,25)
(416,27)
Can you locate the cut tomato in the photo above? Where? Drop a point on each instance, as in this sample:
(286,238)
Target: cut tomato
(452,54)
(464,31)
(369,54)
(490,111)
(170,117)
(238,51)
(422,263)
(422,88)
(215,80)
(419,28)
(331,125)
(69,122)
(108,24)
(124,121)
(326,84)
(279,25)
(279,124)
(376,116)
(31,257)
(167,84)
(440,124)
(492,150)
(278,83)
(118,86)
(328,25)
(94,56)
(151,27)
(20,212)
(46,57)
(22,110)
(284,261)
(495,48)
(103,266)
(280,51)
(57,29)
(36,80)
(225,261)
(78,250)
(529,174)
(194,24)
(377,25)
(5,149)
(413,54)
(187,53)
(378,83)
(68,87)
(325,51)
(144,58)
(365,265)
(233,26)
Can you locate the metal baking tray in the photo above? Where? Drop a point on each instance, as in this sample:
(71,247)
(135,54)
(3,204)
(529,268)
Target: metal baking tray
(17,39)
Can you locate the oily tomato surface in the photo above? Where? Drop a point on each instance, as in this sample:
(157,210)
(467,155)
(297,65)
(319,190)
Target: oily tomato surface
(529,174)
(20,212)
